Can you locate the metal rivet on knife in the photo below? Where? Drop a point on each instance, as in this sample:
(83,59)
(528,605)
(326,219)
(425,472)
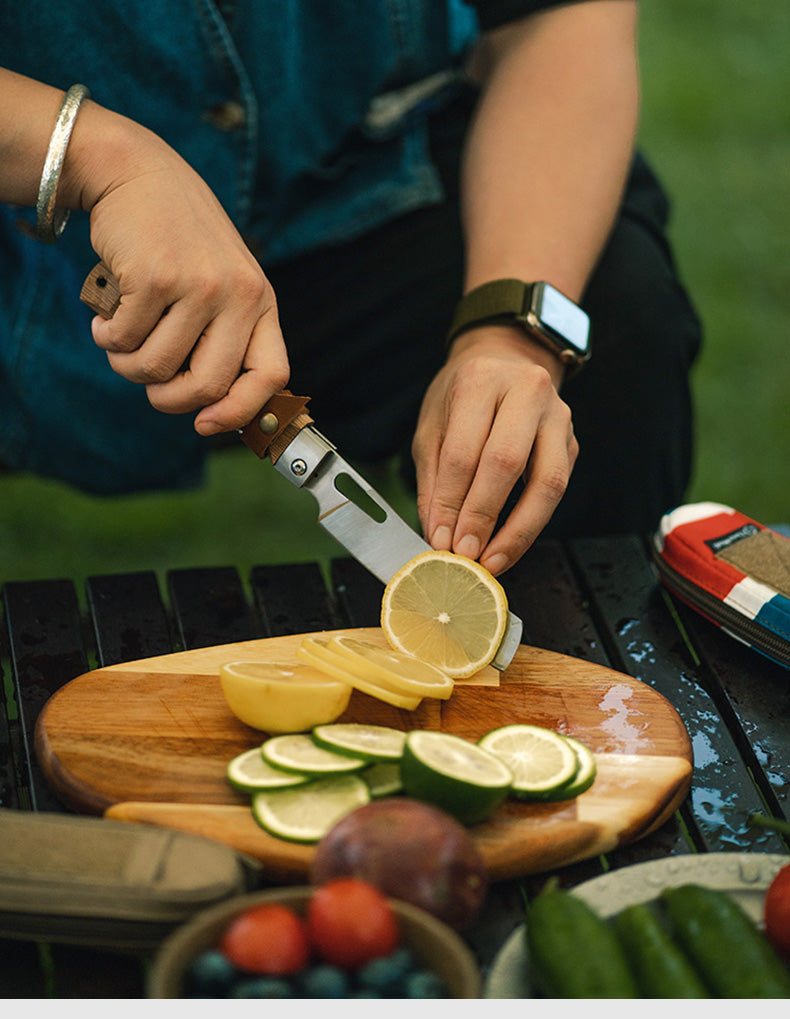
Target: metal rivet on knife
(298,467)
(269,424)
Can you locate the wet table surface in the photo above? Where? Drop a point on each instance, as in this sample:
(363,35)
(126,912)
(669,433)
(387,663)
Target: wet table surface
(595,599)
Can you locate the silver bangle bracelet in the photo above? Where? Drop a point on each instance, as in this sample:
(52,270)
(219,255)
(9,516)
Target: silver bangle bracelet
(50,221)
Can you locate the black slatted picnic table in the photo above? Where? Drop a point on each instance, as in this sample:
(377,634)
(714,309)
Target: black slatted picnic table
(595,599)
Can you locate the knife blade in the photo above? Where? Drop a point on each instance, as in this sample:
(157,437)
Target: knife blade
(349,508)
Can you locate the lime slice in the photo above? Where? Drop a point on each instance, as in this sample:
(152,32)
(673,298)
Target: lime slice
(299,753)
(383,778)
(454,774)
(318,653)
(248,772)
(392,668)
(370,742)
(541,760)
(308,812)
(584,777)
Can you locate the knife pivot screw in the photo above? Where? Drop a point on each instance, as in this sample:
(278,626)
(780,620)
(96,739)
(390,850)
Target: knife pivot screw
(298,467)
(269,424)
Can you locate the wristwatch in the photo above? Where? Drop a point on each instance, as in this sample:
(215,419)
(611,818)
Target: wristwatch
(544,313)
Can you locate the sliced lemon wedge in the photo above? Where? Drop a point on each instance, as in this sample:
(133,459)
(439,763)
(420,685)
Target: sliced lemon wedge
(393,668)
(278,697)
(317,652)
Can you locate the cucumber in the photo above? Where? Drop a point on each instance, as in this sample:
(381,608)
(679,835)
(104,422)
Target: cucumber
(573,953)
(730,953)
(660,967)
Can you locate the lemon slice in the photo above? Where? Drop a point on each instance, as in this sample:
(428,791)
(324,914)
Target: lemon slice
(281,696)
(370,742)
(308,812)
(542,761)
(446,610)
(454,774)
(249,772)
(318,654)
(395,669)
(301,754)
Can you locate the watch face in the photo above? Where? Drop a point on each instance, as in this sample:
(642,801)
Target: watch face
(562,316)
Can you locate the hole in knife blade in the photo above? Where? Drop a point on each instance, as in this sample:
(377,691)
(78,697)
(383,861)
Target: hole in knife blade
(348,487)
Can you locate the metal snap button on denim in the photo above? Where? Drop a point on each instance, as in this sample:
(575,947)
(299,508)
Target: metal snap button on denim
(228,116)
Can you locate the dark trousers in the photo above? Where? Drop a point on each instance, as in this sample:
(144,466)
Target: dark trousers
(365,326)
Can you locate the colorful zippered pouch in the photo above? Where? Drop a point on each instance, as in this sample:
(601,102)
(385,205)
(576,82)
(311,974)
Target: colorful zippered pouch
(732,570)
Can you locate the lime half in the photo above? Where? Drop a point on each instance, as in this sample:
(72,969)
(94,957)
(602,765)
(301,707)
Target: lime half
(370,742)
(542,761)
(300,753)
(307,812)
(248,772)
(454,774)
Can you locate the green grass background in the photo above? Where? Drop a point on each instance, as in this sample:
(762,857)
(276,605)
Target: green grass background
(716,126)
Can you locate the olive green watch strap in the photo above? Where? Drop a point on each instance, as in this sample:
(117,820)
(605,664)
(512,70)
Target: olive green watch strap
(499,302)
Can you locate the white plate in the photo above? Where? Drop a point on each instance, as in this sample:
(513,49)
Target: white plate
(744,875)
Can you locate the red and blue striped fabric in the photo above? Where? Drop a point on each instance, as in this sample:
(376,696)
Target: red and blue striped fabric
(749,595)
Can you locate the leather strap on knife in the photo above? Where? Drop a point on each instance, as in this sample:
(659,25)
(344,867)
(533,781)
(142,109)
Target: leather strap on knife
(275,425)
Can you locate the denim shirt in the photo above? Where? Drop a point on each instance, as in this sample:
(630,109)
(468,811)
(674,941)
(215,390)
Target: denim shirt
(305,117)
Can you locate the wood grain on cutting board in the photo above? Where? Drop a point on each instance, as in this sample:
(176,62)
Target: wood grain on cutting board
(149,741)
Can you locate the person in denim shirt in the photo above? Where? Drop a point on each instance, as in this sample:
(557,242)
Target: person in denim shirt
(307,189)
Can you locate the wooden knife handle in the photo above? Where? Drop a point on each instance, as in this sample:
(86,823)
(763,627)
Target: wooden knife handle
(280,419)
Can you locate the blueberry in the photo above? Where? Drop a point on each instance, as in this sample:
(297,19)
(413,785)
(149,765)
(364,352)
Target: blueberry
(210,975)
(262,987)
(424,984)
(403,957)
(324,981)
(386,972)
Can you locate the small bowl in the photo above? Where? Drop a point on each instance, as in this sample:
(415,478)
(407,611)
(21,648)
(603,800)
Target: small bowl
(434,944)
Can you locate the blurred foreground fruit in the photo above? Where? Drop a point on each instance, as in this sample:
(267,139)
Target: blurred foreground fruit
(269,940)
(410,851)
(350,923)
(777,912)
(729,951)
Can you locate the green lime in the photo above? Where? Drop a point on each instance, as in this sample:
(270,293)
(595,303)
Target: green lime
(454,774)
(541,760)
(370,742)
(383,778)
(584,777)
(298,752)
(307,812)
(248,772)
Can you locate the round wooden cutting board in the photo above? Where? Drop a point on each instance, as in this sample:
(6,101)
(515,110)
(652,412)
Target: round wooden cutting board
(149,741)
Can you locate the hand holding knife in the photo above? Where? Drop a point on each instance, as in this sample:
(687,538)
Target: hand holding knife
(348,507)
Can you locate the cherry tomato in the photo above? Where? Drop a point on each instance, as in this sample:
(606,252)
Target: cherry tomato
(269,939)
(776,912)
(350,922)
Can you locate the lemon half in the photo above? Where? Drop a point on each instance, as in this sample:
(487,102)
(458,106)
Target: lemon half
(278,697)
